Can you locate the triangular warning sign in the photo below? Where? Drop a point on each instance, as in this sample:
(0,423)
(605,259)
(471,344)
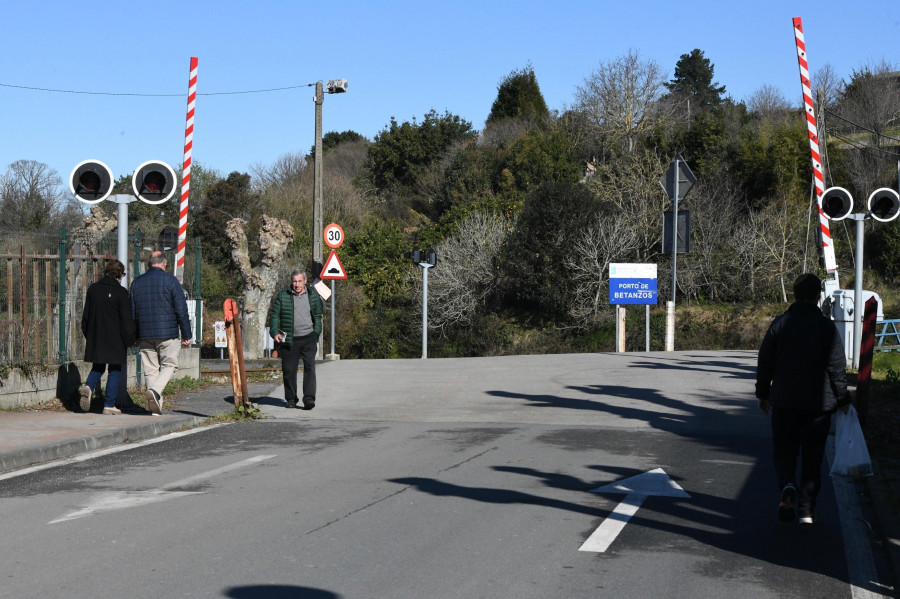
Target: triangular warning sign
(333,268)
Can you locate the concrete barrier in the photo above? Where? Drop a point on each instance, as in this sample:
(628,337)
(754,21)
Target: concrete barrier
(20,389)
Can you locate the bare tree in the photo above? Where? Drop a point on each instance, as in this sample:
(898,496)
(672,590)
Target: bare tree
(631,186)
(827,80)
(867,110)
(32,197)
(621,98)
(260,279)
(713,267)
(604,240)
(467,271)
(768,102)
(780,229)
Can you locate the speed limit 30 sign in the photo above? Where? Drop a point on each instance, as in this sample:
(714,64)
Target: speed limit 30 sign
(334,236)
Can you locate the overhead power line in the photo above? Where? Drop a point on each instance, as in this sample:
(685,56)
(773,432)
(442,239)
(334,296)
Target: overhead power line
(145,95)
(861,126)
(862,146)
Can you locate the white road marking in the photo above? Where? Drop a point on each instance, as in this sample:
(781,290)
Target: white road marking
(119,500)
(636,490)
(90,455)
(854,529)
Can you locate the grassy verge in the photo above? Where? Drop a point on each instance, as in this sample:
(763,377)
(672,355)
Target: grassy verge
(883,419)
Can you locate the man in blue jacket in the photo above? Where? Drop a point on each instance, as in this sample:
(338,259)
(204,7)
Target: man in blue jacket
(801,375)
(160,309)
(295,322)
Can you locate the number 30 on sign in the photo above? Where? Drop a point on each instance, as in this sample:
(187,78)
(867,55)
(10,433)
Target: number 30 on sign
(334,236)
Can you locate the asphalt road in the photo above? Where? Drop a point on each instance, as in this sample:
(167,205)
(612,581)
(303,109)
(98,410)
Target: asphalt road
(444,478)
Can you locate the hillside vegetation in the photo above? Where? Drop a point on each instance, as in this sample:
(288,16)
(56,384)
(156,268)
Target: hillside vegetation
(526,214)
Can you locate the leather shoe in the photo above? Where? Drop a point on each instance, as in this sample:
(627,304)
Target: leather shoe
(291,404)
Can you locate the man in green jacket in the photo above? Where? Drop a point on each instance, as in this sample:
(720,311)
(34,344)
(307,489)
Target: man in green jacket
(295,323)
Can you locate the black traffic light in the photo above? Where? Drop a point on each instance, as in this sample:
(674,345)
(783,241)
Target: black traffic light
(153,182)
(168,238)
(415,255)
(431,258)
(420,257)
(91,181)
(884,204)
(837,203)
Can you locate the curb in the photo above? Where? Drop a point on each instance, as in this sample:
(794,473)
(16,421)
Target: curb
(884,489)
(14,460)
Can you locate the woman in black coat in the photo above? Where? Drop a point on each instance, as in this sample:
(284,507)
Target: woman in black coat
(108,329)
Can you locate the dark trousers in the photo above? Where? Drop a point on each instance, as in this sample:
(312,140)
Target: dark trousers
(798,433)
(304,348)
(112,382)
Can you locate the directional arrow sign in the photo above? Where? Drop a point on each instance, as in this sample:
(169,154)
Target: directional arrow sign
(636,489)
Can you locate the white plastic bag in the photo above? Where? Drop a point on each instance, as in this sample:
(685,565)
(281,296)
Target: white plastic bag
(851,457)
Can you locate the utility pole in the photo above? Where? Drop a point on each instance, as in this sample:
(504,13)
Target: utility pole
(334,86)
(317,183)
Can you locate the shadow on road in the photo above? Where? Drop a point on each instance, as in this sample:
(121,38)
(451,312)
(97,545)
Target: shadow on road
(277,591)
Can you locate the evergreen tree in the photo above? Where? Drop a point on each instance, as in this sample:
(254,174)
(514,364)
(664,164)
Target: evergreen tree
(519,96)
(226,199)
(694,79)
(403,152)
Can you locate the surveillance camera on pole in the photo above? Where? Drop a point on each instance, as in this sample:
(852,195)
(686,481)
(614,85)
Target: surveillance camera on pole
(884,204)
(837,203)
(91,181)
(153,182)
(336,86)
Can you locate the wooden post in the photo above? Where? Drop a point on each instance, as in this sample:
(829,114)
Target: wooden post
(620,319)
(235,353)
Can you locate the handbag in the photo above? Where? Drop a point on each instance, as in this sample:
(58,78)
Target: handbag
(851,457)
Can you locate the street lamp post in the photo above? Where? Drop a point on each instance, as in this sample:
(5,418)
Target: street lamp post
(334,86)
(317,179)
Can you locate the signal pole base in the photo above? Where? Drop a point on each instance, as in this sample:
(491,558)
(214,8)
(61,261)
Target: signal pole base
(329,357)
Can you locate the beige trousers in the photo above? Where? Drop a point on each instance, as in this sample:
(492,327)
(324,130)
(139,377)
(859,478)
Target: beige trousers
(159,359)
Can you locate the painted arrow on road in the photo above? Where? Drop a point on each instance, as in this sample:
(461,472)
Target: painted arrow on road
(118,500)
(636,489)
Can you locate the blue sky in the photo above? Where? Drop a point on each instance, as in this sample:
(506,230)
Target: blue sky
(401,59)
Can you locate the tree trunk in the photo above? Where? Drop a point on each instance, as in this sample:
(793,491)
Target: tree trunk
(261,279)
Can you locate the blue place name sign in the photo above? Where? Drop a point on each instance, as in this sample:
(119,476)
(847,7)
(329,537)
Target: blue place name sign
(632,284)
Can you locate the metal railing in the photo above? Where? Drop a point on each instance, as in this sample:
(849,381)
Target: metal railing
(889,336)
(43,283)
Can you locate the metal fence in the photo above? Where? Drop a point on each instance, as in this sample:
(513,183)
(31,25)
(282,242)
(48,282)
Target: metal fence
(42,295)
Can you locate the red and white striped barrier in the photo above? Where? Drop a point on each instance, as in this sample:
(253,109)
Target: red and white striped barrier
(824,225)
(186,176)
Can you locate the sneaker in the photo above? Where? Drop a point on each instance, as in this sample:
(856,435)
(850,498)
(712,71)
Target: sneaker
(154,402)
(84,398)
(806,517)
(787,507)
(291,404)
(112,411)
(309,405)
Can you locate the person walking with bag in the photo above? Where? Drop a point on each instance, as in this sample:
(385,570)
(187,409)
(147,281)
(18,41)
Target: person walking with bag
(801,379)
(295,322)
(108,330)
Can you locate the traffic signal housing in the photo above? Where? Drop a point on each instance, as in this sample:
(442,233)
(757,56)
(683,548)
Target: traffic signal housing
(837,203)
(420,257)
(91,181)
(415,255)
(884,204)
(153,182)
(430,258)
